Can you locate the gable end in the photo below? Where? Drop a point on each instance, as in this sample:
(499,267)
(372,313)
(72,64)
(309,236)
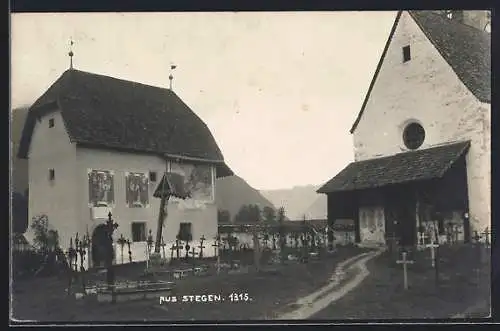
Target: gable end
(379,65)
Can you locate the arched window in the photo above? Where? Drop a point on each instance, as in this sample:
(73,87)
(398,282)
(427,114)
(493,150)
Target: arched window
(413,135)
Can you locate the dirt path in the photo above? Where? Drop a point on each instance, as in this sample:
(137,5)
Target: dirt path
(313,303)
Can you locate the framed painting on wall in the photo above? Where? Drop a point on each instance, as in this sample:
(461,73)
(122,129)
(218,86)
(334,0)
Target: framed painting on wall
(137,189)
(198,180)
(101,188)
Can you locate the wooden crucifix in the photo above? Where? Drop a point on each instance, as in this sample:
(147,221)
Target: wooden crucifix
(405,262)
(202,240)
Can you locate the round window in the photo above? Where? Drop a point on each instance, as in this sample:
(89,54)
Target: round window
(413,136)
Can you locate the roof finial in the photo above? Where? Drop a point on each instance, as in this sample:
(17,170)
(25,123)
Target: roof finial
(171,76)
(71,53)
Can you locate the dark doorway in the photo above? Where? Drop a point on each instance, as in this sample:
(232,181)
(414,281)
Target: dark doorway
(400,209)
(101,246)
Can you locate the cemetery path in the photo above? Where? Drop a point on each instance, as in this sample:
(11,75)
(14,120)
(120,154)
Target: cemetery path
(348,275)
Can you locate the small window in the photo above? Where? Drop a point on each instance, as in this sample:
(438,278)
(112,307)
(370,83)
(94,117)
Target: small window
(406,54)
(138,231)
(413,136)
(185,233)
(52,174)
(152,176)
(51,123)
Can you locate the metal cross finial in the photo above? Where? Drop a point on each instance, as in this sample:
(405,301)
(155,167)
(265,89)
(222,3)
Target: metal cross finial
(171,76)
(71,53)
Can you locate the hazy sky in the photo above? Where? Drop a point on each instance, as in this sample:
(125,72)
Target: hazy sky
(279,91)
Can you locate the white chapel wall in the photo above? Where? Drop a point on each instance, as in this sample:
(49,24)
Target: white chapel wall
(203,217)
(51,149)
(426,89)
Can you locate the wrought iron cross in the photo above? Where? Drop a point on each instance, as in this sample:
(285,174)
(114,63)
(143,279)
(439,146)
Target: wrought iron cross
(202,239)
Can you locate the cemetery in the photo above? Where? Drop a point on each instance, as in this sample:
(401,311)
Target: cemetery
(289,264)
(436,278)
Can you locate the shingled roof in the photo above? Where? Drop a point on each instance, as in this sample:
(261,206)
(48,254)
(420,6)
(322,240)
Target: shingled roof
(466,49)
(399,168)
(101,111)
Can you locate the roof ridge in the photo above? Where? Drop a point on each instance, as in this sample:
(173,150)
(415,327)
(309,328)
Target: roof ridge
(445,144)
(119,79)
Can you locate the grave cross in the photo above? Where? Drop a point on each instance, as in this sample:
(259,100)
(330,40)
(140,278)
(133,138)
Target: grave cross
(149,245)
(422,236)
(216,246)
(121,241)
(129,251)
(433,246)
(202,239)
(187,247)
(175,247)
(193,254)
(487,234)
(163,247)
(405,262)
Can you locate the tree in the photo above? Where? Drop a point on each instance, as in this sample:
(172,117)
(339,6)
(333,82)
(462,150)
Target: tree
(248,214)
(46,240)
(223,216)
(269,214)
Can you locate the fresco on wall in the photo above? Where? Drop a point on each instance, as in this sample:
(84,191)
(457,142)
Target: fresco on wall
(371,220)
(136,189)
(101,189)
(197,180)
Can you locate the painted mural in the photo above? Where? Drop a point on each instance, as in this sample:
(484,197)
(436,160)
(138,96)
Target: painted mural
(197,180)
(371,220)
(136,189)
(101,188)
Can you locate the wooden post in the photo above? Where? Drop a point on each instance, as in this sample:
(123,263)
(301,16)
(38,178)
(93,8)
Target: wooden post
(162,215)
(404,262)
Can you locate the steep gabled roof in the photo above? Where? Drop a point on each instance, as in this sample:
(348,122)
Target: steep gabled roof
(466,49)
(106,112)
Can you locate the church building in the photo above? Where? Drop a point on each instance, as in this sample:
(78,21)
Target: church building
(422,136)
(98,144)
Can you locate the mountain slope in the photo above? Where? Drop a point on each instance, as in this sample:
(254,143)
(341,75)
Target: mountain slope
(318,209)
(233,192)
(296,200)
(19,166)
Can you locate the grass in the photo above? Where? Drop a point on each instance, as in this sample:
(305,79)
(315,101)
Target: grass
(464,287)
(270,289)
